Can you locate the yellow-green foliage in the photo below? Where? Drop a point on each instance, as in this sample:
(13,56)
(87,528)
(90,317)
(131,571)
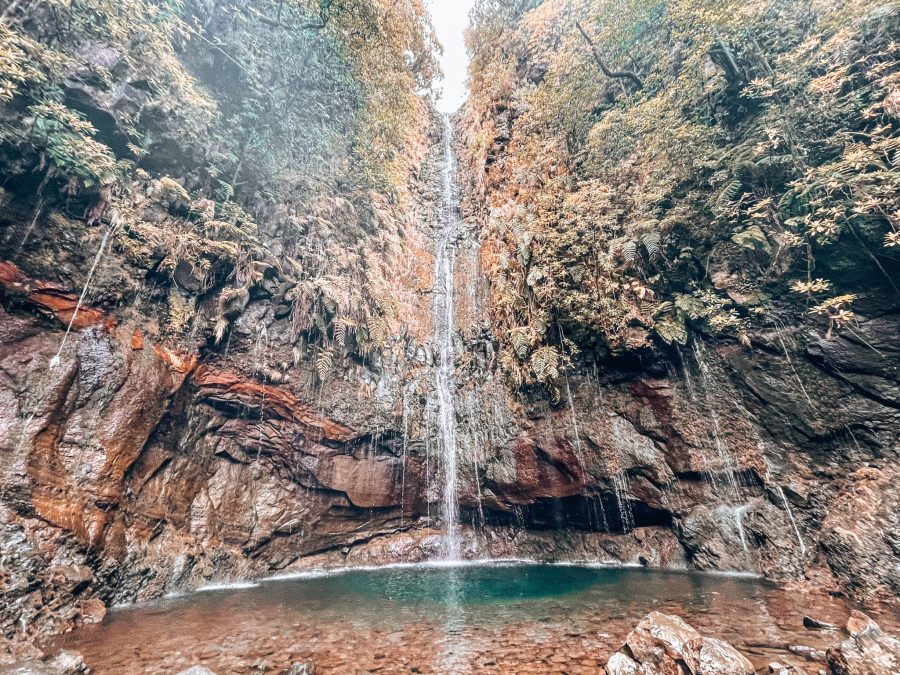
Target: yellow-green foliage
(760,132)
(305,111)
(66,140)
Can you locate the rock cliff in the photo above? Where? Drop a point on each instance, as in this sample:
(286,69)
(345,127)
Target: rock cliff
(207,379)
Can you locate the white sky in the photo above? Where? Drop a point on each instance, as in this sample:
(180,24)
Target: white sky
(450,18)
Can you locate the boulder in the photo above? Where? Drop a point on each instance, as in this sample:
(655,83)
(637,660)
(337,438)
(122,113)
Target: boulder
(663,644)
(868,651)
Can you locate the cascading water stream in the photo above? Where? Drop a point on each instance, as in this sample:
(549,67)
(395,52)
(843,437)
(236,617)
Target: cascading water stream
(446,230)
(87,284)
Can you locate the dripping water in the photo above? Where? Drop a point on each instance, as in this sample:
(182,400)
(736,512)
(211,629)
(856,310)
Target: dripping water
(87,284)
(787,507)
(779,328)
(739,526)
(405,456)
(727,463)
(621,489)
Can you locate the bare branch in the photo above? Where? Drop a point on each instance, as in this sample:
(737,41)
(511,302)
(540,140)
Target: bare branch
(617,74)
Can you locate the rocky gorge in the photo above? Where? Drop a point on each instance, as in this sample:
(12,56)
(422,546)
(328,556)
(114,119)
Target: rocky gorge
(209,380)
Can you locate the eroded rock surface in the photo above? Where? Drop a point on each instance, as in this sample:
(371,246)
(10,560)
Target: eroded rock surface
(868,651)
(662,644)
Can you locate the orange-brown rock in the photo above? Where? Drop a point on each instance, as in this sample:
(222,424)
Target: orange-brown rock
(228,389)
(137,339)
(868,651)
(663,644)
(49,299)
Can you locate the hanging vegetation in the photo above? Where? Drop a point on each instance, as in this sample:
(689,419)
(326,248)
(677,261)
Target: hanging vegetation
(644,168)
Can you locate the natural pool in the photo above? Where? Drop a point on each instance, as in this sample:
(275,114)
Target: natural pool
(492,617)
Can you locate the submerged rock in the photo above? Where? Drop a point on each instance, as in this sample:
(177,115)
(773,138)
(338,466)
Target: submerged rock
(663,644)
(868,651)
(64,663)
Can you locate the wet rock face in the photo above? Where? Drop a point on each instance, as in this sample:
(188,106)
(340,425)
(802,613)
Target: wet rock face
(127,472)
(665,645)
(130,470)
(143,463)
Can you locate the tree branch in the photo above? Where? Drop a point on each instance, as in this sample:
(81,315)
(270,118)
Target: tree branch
(319,23)
(617,74)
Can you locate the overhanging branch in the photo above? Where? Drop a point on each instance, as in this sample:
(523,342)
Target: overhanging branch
(617,74)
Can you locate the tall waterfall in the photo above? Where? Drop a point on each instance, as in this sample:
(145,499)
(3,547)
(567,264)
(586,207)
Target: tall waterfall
(446,230)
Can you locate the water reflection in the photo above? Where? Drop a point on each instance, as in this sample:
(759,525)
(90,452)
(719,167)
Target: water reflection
(452,658)
(449,619)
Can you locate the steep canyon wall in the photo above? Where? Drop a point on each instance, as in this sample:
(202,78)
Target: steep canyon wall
(251,389)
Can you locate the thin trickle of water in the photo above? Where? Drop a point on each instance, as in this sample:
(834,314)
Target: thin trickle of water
(405,456)
(24,433)
(87,284)
(260,349)
(728,467)
(574,417)
(38,210)
(688,380)
(779,328)
(475,438)
(621,488)
(739,525)
(446,231)
(787,507)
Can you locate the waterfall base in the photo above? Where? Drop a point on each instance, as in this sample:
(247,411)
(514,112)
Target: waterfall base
(446,619)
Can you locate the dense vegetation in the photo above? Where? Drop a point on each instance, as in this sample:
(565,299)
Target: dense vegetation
(644,168)
(233,147)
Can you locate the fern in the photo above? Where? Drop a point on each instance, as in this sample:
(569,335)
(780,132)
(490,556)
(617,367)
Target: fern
(648,307)
(652,242)
(520,341)
(690,306)
(665,307)
(752,238)
(630,250)
(729,194)
(378,330)
(324,361)
(545,364)
(672,331)
(343,327)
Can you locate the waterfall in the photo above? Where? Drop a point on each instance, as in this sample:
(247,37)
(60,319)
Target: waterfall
(446,230)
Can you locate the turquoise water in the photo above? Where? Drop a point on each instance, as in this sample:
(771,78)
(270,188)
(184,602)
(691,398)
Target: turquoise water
(492,618)
(465,585)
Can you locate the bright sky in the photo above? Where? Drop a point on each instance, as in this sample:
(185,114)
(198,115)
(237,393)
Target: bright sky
(450,18)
